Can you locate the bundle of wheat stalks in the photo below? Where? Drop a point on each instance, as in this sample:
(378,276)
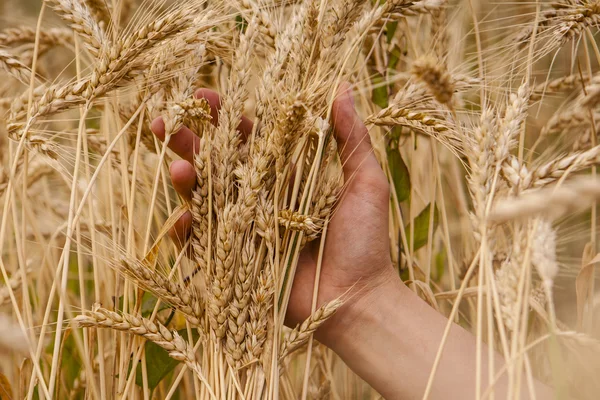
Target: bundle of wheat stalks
(477,128)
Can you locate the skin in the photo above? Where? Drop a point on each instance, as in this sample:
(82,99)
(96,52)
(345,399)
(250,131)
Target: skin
(385,333)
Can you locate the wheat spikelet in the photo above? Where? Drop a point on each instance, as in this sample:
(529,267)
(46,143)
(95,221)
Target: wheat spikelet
(183,299)
(324,201)
(555,169)
(184,108)
(510,125)
(342,16)
(265,23)
(260,306)
(391,10)
(157,333)
(25,34)
(543,251)
(227,137)
(77,15)
(300,334)
(516,174)
(269,87)
(481,161)
(239,307)
(420,122)
(99,11)
(393,115)
(15,281)
(220,278)
(264,222)
(549,202)
(295,221)
(573,118)
(507,280)
(200,209)
(554,86)
(14,67)
(572,21)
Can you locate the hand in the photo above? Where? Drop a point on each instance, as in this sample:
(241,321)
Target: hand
(356,254)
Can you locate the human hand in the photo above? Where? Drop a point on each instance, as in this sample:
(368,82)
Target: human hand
(356,254)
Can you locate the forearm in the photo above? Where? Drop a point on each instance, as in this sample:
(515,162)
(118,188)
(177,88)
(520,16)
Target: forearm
(391,340)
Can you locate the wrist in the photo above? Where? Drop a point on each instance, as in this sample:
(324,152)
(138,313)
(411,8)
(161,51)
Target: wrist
(362,308)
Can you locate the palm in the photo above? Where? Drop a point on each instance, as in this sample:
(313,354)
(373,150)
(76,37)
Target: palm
(356,252)
(356,249)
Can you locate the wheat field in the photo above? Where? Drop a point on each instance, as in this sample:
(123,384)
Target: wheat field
(117,283)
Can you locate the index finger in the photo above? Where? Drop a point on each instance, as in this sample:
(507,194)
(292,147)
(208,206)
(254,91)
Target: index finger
(185,143)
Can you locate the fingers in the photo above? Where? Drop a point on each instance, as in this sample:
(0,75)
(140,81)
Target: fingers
(182,229)
(245,126)
(186,143)
(352,136)
(183,176)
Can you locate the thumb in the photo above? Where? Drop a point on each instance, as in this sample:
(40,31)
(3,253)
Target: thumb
(352,136)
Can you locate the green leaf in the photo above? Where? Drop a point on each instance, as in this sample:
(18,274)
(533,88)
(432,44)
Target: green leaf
(158,362)
(400,174)
(158,365)
(241,23)
(394,57)
(421,222)
(440,263)
(380,92)
(148,303)
(390,30)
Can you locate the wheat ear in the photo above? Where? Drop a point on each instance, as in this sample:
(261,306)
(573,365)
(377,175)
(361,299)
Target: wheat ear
(300,334)
(177,347)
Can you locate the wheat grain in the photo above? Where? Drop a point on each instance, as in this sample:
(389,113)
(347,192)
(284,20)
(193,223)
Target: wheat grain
(100,11)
